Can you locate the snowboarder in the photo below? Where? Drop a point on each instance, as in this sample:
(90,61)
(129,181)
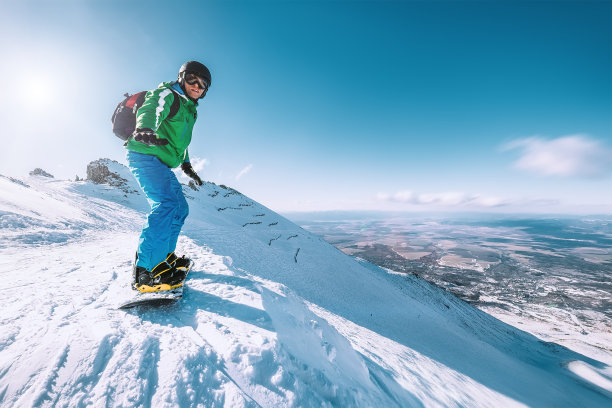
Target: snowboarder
(158,145)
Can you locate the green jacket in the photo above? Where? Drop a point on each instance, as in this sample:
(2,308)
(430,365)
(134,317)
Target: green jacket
(177,130)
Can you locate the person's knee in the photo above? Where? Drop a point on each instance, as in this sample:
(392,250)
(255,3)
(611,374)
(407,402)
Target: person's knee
(165,207)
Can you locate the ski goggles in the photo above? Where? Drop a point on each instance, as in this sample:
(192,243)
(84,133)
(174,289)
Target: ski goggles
(193,79)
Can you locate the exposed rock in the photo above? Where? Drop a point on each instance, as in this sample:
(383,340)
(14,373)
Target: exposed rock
(106,171)
(16,181)
(193,186)
(40,172)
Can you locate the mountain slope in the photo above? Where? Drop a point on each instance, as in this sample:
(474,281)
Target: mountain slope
(271,316)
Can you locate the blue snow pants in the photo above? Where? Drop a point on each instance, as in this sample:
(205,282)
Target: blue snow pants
(168,208)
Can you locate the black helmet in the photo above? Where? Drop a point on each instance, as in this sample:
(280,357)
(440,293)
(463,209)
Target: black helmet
(196,68)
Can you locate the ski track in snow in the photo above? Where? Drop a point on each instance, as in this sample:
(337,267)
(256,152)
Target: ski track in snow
(258,325)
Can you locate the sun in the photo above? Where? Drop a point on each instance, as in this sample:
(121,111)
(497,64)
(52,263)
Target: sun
(38,89)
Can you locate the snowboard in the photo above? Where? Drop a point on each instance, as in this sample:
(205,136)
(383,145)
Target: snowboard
(153,299)
(161,298)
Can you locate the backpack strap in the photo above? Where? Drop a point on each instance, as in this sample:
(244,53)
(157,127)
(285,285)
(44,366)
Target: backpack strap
(176,105)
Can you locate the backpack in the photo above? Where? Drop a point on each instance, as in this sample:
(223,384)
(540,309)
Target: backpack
(124,117)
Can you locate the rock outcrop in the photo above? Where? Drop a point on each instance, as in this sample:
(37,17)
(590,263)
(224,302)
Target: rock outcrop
(106,171)
(40,172)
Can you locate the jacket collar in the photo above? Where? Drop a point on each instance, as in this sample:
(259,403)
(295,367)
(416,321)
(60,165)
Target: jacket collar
(179,90)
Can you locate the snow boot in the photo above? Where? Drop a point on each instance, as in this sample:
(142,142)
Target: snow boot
(162,277)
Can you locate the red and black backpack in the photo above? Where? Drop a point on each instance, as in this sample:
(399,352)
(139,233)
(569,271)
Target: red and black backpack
(124,117)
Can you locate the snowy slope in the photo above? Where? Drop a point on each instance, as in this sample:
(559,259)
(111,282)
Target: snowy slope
(272,316)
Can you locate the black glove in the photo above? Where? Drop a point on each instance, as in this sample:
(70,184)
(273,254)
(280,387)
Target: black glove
(186,167)
(148,137)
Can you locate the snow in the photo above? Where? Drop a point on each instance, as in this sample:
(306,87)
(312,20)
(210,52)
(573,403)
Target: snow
(271,316)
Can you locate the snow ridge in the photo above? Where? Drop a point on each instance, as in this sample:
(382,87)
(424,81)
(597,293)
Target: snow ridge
(271,316)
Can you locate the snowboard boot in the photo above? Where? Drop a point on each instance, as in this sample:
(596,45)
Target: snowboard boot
(182,263)
(162,277)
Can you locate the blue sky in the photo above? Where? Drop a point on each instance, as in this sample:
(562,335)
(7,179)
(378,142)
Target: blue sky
(392,105)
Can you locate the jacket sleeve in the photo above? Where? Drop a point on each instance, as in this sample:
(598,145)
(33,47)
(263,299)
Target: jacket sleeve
(186,156)
(155,108)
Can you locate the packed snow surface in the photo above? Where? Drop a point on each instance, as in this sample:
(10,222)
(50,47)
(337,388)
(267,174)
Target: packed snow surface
(271,316)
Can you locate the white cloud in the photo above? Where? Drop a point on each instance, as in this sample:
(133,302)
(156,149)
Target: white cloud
(198,164)
(244,171)
(458,201)
(568,156)
(444,199)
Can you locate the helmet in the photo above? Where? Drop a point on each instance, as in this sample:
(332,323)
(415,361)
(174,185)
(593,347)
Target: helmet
(196,68)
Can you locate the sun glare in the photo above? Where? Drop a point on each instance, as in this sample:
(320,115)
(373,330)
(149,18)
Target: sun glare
(46,77)
(37,90)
